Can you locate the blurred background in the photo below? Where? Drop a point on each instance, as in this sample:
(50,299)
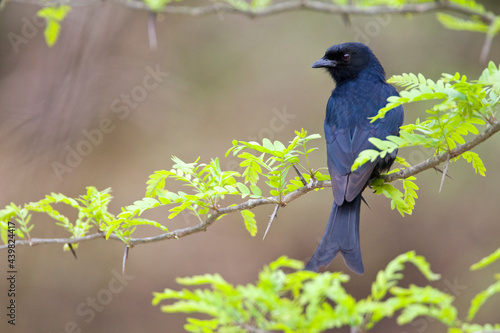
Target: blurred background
(211,80)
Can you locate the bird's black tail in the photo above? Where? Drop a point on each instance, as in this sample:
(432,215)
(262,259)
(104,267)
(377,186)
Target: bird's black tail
(341,234)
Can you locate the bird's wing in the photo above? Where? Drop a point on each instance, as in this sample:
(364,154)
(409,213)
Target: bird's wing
(345,144)
(342,150)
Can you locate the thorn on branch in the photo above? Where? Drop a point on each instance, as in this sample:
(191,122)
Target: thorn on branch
(272,217)
(153,40)
(346,18)
(492,119)
(125,257)
(486,46)
(215,206)
(300,175)
(444,173)
(366,203)
(70,246)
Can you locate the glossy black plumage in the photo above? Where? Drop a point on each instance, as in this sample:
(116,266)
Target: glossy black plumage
(361,90)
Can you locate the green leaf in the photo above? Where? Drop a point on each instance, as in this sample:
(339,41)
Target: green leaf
(238,4)
(53,16)
(156,5)
(389,277)
(250,222)
(304,301)
(156,182)
(259,4)
(51,32)
(279,146)
(486,261)
(481,298)
(256,191)
(286,262)
(215,279)
(384,145)
(425,301)
(365,156)
(455,23)
(140,206)
(275,193)
(476,162)
(245,191)
(398,200)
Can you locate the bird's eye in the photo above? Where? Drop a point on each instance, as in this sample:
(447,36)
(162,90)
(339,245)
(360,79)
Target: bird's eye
(346,57)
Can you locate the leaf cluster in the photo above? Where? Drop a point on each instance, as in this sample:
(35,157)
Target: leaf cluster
(206,185)
(303,301)
(273,161)
(464,105)
(92,209)
(461,106)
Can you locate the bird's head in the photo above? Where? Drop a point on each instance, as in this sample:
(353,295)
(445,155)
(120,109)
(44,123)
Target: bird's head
(346,61)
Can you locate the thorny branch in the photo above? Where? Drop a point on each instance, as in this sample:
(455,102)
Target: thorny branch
(313,184)
(436,160)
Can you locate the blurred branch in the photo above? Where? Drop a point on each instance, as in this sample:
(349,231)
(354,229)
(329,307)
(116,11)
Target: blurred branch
(430,163)
(253,329)
(284,6)
(219,7)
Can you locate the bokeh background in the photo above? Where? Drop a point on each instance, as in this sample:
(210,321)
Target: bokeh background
(224,77)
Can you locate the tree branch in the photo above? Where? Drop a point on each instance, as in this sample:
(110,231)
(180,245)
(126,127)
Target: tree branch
(250,204)
(430,163)
(283,6)
(219,7)
(434,161)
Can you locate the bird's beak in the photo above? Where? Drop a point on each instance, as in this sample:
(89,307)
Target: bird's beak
(324,63)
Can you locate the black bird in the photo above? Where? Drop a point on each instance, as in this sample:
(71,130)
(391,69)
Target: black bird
(361,90)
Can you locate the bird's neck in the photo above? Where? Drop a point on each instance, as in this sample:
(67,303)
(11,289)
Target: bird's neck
(373,76)
(352,102)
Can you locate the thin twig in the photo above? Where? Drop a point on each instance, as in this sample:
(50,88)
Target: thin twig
(441,172)
(72,249)
(300,175)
